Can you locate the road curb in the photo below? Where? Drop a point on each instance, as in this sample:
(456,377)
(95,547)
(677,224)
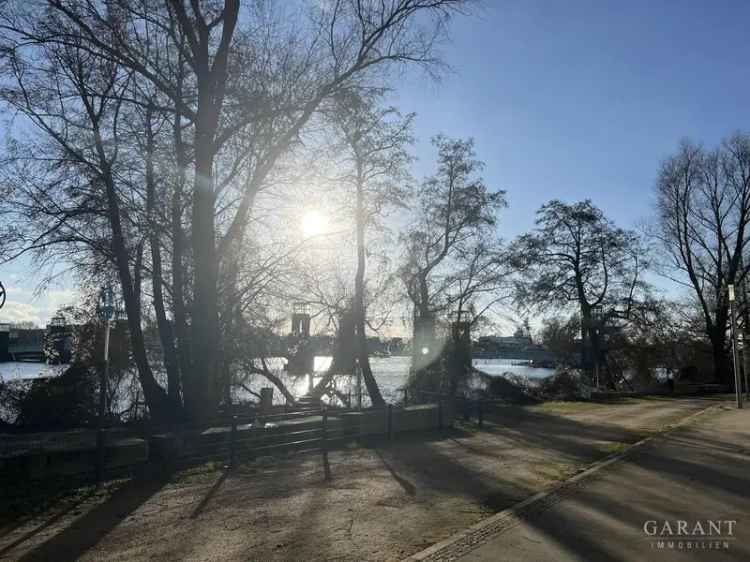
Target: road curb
(472,537)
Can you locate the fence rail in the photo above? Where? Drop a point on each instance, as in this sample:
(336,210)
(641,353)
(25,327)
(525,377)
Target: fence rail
(310,430)
(229,439)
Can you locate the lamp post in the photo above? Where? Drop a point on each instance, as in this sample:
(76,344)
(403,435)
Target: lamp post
(735,361)
(107,312)
(596,315)
(745,327)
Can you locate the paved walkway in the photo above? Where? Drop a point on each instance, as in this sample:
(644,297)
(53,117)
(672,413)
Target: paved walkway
(698,472)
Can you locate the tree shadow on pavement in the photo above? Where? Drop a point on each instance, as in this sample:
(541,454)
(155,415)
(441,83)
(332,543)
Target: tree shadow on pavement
(574,438)
(210,494)
(86,531)
(427,467)
(688,475)
(46,524)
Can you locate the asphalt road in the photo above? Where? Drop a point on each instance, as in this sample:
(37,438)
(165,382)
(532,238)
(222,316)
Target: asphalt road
(632,509)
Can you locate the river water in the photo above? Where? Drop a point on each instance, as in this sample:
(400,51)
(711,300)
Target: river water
(18,370)
(390,372)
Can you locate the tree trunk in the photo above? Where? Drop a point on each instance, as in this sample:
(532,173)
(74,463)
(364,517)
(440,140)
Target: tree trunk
(156,399)
(721,364)
(359,305)
(166,334)
(178,250)
(202,389)
(587,343)
(278,383)
(342,362)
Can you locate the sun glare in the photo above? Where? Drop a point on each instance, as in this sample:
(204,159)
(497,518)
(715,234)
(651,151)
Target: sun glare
(313,223)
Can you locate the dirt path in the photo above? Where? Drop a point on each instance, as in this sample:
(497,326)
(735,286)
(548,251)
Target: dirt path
(384,502)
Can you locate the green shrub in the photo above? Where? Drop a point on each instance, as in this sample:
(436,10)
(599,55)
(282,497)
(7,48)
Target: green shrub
(66,401)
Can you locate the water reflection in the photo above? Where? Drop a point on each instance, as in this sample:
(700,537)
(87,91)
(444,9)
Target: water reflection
(390,373)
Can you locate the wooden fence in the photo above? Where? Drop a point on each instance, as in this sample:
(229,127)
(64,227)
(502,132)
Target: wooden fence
(229,439)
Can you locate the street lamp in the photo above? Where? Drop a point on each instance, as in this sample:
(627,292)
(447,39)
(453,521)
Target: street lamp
(735,362)
(596,321)
(745,326)
(107,311)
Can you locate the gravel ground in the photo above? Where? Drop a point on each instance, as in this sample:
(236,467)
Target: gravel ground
(385,501)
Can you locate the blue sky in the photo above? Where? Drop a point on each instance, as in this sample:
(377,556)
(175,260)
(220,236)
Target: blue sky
(566,99)
(574,99)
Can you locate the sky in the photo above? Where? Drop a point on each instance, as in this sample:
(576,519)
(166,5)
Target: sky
(565,99)
(583,99)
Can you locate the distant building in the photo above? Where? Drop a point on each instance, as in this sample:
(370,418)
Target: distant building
(52,343)
(4,342)
(58,343)
(518,346)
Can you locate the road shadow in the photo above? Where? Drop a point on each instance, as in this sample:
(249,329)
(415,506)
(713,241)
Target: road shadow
(210,494)
(40,528)
(691,474)
(406,486)
(420,463)
(86,531)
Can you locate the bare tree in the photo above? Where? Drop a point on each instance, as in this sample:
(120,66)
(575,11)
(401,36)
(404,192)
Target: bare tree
(577,257)
(374,152)
(84,199)
(452,256)
(703,206)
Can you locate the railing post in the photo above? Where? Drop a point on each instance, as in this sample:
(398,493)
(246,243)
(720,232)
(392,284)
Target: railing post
(324,426)
(480,413)
(100,438)
(390,421)
(406,397)
(233,444)
(324,442)
(440,412)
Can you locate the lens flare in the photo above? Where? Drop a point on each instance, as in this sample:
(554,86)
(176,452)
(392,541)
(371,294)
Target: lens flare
(313,223)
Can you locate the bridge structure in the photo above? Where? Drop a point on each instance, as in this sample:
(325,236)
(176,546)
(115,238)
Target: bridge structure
(22,345)
(26,352)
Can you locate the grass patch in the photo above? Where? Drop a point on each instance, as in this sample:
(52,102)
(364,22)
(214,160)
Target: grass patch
(555,471)
(197,471)
(614,447)
(566,407)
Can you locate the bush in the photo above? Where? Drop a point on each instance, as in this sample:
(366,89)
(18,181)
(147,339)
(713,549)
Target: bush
(426,382)
(66,401)
(563,385)
(508,387)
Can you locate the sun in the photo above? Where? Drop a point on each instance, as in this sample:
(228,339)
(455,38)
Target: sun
(313,223)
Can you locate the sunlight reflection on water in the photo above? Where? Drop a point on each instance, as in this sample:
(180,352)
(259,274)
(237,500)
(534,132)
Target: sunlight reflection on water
(390,373)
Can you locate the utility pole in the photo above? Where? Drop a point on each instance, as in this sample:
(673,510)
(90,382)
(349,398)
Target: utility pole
(107,312)
(735,360)
(745,327)
(594,334)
